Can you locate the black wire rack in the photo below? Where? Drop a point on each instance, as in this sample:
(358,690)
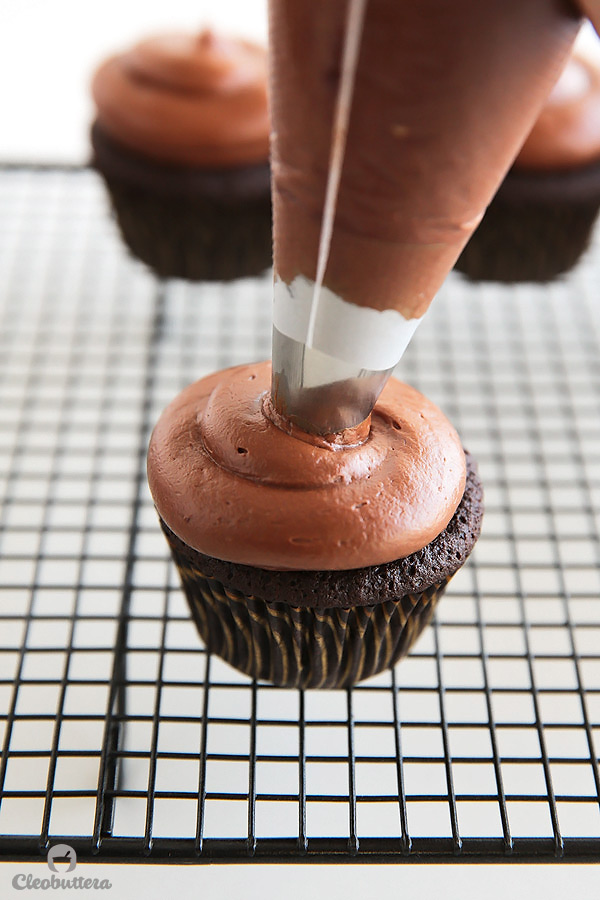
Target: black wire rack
(123,738)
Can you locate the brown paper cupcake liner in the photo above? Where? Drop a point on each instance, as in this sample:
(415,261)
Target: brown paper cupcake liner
(201,225)
(303,647)
(529,239)
(198,239)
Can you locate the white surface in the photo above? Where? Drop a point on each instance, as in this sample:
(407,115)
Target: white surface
(49,50)
(297,882)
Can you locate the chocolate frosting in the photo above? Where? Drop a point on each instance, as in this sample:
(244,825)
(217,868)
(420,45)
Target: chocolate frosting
(445,94)
(566,134)
(345,588)
(233,485)
(195,100)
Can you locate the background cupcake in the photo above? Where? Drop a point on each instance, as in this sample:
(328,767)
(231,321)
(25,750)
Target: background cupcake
(540,221)
(304,564)
(181,137)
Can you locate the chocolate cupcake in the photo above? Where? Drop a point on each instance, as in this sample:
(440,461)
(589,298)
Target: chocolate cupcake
(541,219)
(306,562)
(181,137)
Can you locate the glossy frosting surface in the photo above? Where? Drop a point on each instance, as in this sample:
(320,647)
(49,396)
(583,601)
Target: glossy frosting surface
(196,100)
(567,132)
(233,485)
(445,94)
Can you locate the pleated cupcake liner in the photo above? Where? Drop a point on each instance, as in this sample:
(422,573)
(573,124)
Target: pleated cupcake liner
(195,238)
(530,241)
(303,647)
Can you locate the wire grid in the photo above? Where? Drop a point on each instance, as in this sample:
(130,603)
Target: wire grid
(124,739)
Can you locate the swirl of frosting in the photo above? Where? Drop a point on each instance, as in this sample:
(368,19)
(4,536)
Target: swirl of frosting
(567,132)
(233,485)
(193,100)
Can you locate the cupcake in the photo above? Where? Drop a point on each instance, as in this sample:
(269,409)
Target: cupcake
(181,137)
(310,562)
(540,221)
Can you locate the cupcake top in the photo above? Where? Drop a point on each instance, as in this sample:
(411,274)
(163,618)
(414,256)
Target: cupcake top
(233,484)
(191,100)
(567,133)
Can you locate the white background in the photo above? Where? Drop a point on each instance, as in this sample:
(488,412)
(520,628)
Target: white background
(317,882)
(50,48)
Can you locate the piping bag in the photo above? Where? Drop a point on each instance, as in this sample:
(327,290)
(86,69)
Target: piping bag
(394,123)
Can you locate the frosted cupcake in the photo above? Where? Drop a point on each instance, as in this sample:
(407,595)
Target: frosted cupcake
(310,562)
(181,137)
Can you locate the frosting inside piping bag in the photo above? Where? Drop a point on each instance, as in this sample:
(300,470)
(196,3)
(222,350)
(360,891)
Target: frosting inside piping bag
(444,96)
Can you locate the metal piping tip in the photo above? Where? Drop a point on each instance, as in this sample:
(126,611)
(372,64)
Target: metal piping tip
(320,393)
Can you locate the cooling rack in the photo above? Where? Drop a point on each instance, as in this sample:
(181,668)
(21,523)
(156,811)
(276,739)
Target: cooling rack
(123,738)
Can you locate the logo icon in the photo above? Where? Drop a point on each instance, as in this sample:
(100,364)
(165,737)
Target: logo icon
(61,855)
